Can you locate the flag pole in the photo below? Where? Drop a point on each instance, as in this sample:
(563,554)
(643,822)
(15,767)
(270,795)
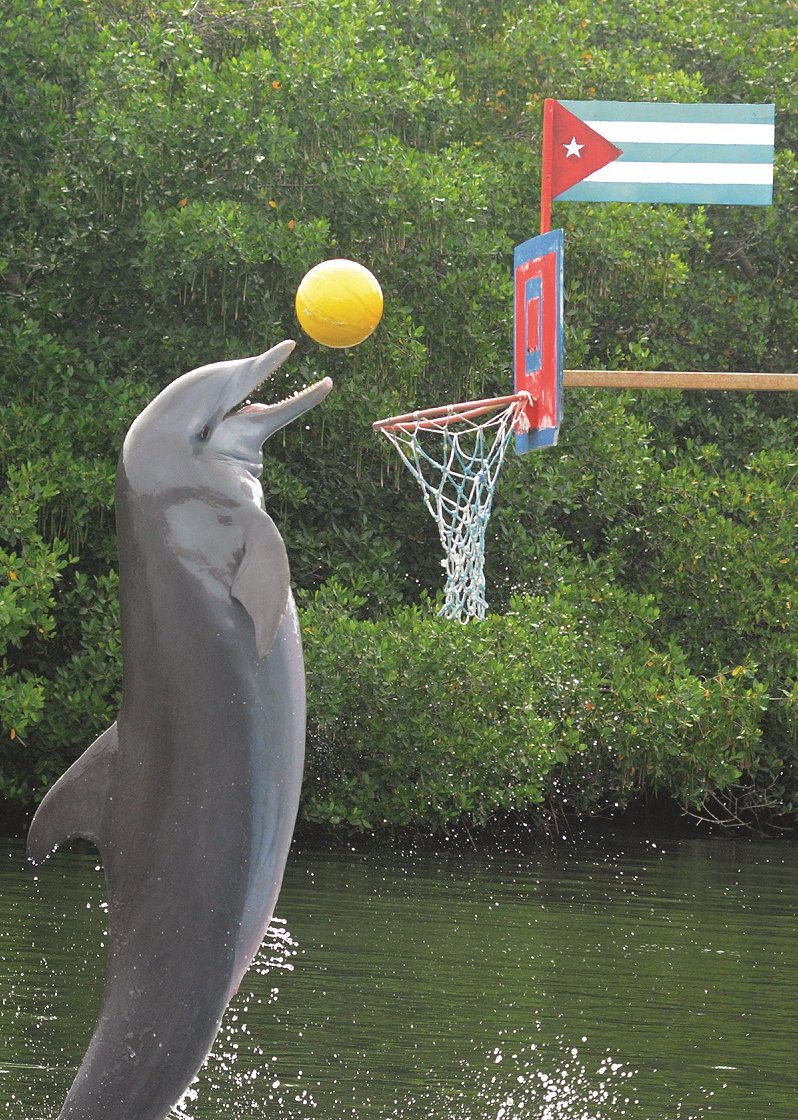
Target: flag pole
(545,180)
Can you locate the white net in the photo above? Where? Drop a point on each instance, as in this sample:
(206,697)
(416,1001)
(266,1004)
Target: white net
(456,457)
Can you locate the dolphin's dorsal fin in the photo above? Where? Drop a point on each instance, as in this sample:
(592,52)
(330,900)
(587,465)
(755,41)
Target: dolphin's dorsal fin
(75,804)
(262,580)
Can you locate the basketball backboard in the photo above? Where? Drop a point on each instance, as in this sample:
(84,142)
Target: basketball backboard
(538,318)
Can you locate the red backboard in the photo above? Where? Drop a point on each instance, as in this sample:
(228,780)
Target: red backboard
(538,336)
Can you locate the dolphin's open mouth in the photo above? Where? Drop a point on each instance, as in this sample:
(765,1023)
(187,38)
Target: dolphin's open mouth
(251,407)
(293,405)
(244,428)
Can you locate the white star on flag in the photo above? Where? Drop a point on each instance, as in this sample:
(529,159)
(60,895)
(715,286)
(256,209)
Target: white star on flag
(573,149)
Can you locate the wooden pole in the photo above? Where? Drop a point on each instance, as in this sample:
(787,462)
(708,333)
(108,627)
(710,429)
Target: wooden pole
(672,379)
(545,176)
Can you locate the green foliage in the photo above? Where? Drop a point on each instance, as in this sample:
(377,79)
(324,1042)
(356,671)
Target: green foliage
(416,723)
(29,571)
(171,171)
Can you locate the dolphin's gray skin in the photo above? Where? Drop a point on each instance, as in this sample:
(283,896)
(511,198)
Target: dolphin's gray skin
(191,795)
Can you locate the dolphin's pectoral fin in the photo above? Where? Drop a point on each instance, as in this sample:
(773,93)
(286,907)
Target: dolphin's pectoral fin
(262,580)
(76,803)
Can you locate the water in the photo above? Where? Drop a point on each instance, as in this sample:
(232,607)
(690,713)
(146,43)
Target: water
(633,979)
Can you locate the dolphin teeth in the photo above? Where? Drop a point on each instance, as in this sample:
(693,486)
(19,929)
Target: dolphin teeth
(249,405)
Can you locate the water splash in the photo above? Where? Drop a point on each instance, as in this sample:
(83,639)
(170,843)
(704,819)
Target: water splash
(238,1078)
(530,1081)
(520,1078)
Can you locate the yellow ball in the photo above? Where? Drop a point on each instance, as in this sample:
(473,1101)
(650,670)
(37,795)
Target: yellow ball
(339,303)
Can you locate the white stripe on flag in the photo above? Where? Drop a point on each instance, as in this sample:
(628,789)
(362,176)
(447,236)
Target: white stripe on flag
(699,154)
(721,173)
(683,132)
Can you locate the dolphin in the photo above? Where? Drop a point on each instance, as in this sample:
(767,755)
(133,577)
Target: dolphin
(191,795)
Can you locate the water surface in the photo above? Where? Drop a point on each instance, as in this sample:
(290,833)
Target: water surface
(638,979)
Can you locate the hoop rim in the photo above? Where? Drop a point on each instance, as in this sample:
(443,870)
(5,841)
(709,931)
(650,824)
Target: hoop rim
(441,416)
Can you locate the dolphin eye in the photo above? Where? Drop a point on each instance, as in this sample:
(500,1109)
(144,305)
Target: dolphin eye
(206,431)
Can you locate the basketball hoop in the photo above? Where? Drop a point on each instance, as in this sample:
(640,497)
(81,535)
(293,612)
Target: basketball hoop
(455,453)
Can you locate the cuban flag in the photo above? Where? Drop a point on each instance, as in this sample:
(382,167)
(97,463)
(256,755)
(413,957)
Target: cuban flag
(619,151)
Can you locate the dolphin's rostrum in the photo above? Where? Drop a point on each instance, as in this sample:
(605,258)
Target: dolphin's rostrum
(191,795)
